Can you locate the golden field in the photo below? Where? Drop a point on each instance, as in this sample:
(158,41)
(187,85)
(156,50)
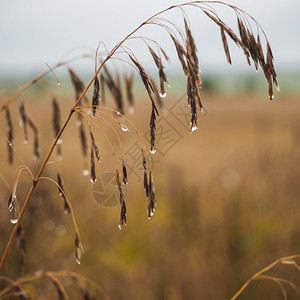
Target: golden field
(227,202)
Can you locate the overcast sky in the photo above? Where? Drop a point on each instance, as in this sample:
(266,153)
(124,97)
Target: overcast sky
(34,32)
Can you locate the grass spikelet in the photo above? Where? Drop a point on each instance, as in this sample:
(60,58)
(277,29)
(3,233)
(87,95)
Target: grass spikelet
(56,120)
(61,192)
(165,55)
(123,215)
(129,83)
(93,167)
(152,197)
(10,131)
(78,248)
(78,85)
(156,59)
(180,53)
(152,130)
(157,95)
(83,139)
(102,88)
(96,95)
(20,240)
(36,147)
(146,81)
(96,149)
(125,179)
(225,45)
(23,120)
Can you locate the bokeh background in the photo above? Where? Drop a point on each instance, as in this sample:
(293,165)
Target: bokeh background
(227,194)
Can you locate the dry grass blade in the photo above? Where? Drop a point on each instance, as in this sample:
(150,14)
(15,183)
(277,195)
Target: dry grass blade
(225,45)
(10,131)
(62,294)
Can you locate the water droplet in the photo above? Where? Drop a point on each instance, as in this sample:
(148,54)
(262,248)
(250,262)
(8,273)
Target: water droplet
(120,227)
(11,206)
(78,261)
(163,95)
(25,141)
(59,141)
(151,214)
(204,111)
(21,123)
(131,110)
(124,127)
(14,220)
(152,150)
(85,172)
(78,123)
(118,113)
(93,180)
(193,128)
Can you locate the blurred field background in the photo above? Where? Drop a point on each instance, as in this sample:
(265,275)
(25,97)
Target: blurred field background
(228,200)
(227,194)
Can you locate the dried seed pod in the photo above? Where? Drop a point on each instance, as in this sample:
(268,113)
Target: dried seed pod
(125,179)
(225,45)
(23,120)
(78,85)
(96,95)
(78,248)
(129,83)
(9,129)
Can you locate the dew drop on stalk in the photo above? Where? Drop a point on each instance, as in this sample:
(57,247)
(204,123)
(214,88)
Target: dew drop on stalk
(118,113)
(78,123)
(58,83)
(120,227)
(59,141)
(14,220)
(93,180)
(152,150)
(163,95)
(193,128)
(124,127)
(85,172)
